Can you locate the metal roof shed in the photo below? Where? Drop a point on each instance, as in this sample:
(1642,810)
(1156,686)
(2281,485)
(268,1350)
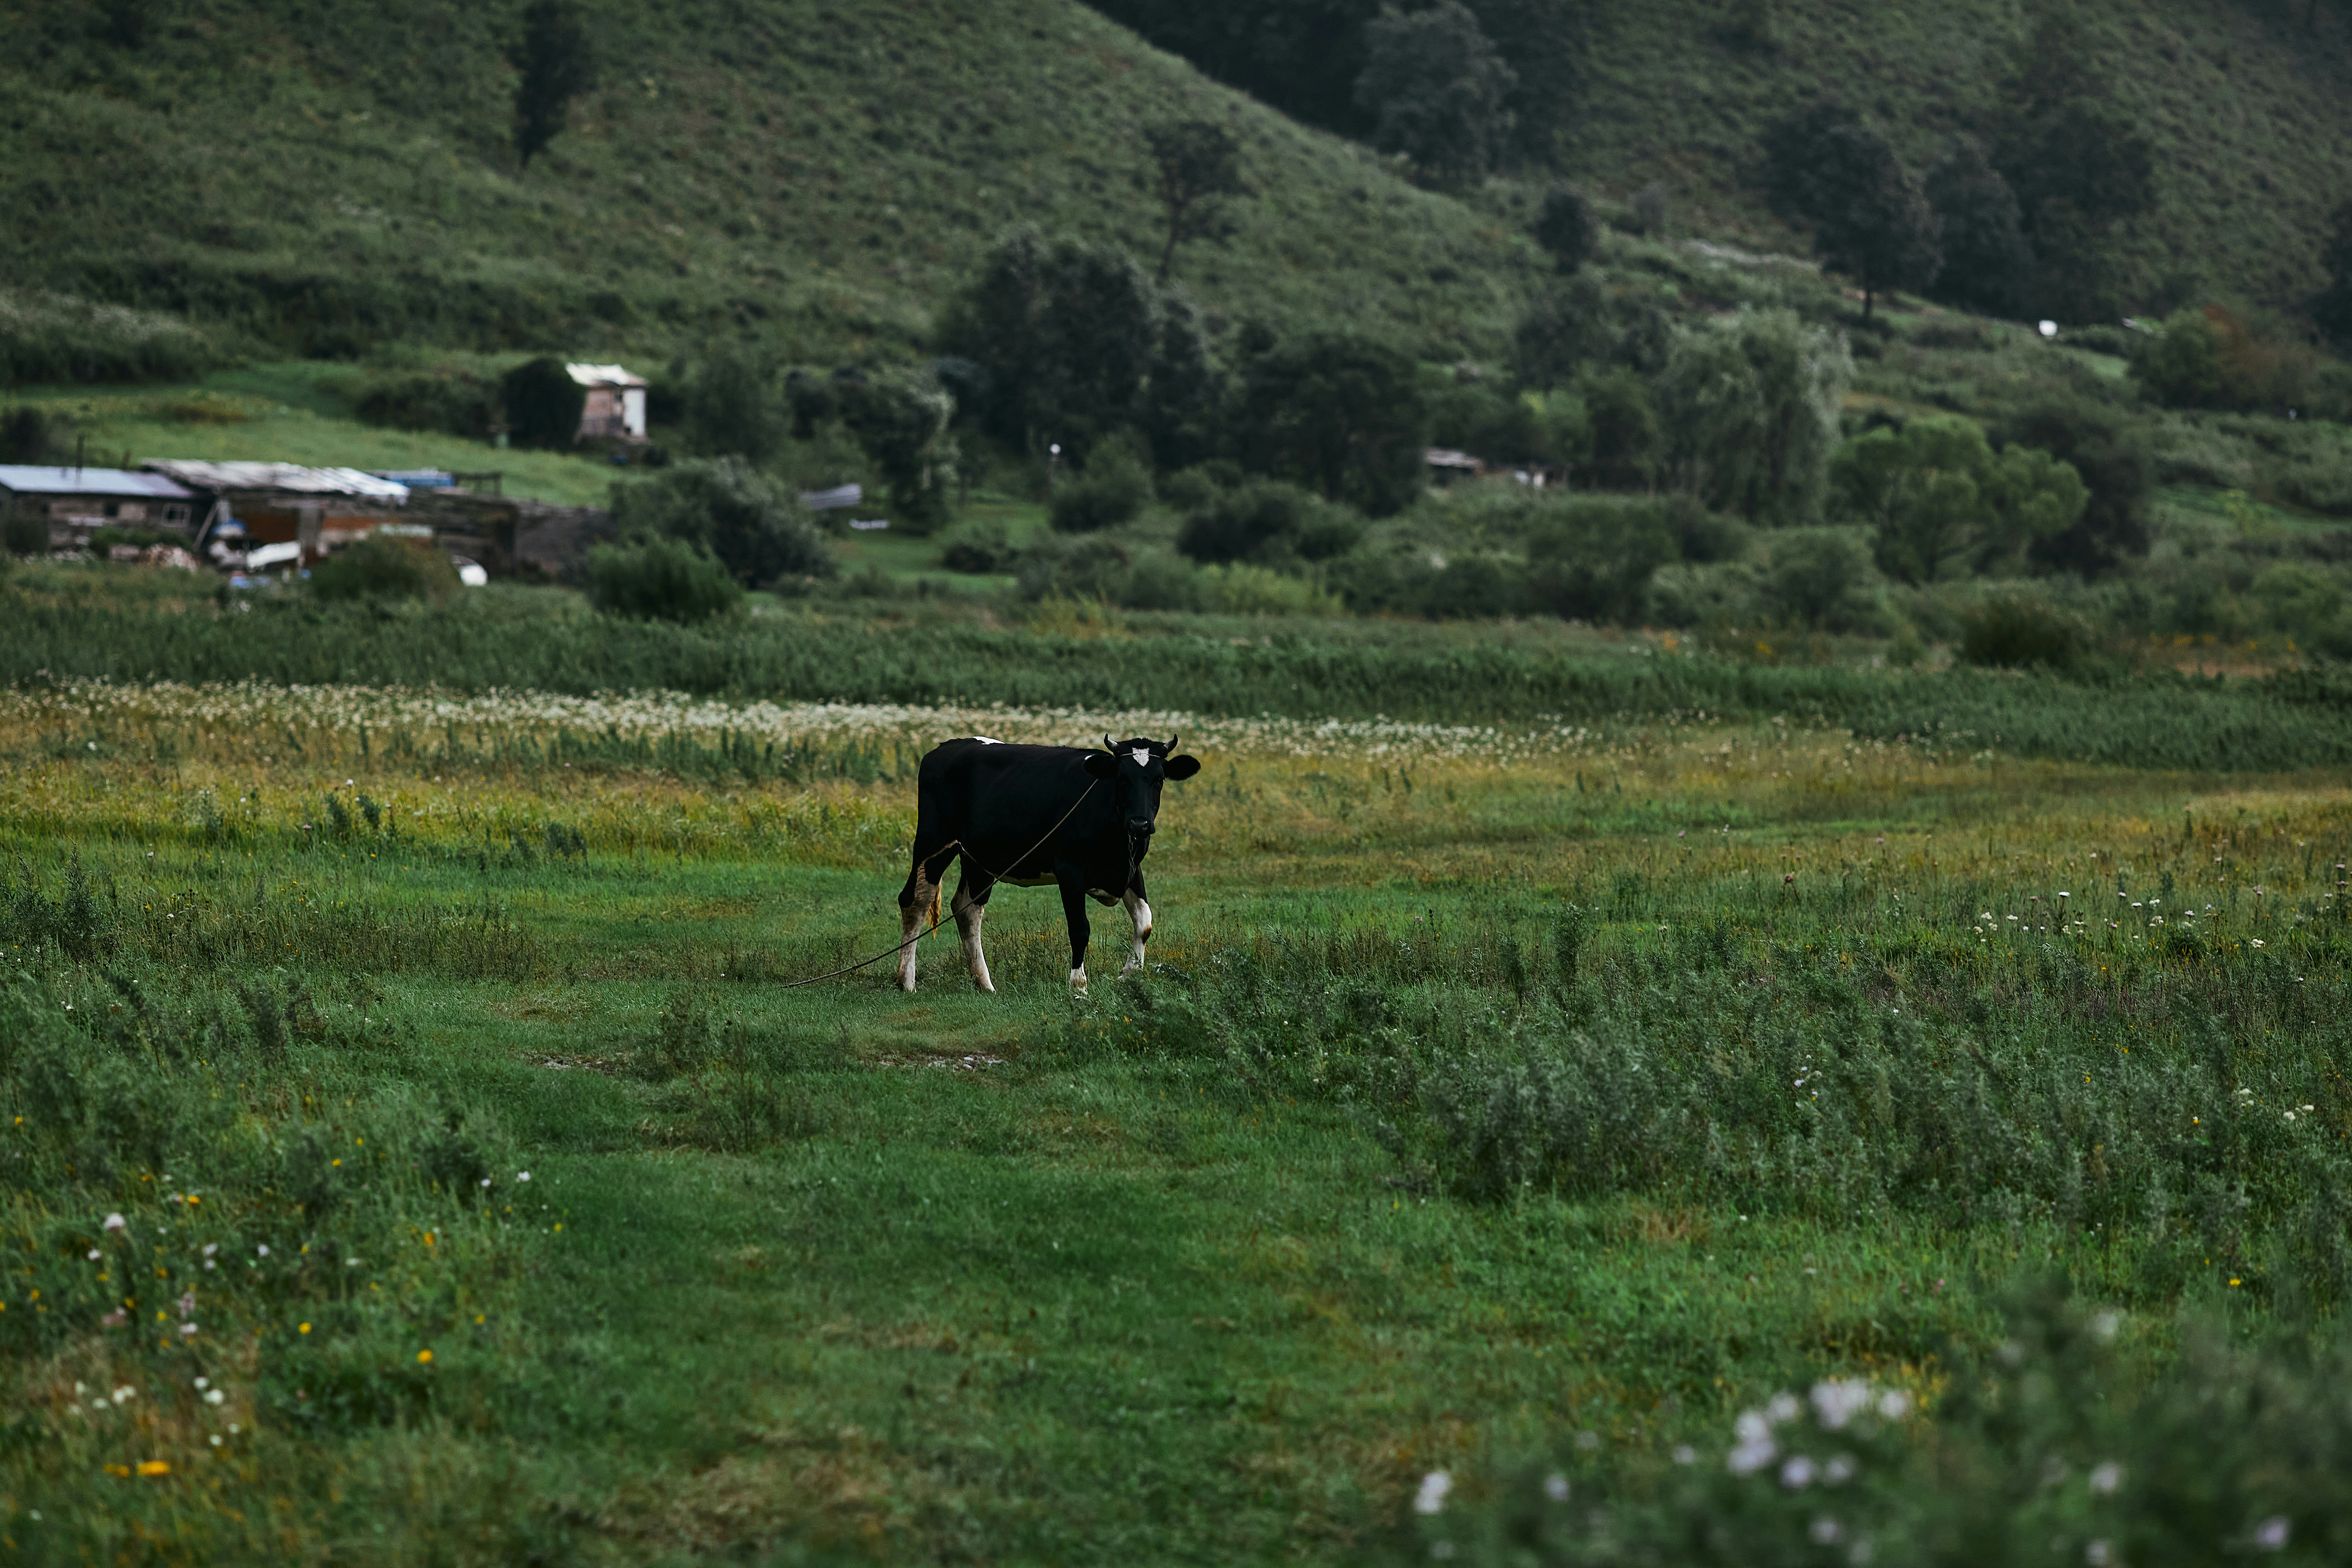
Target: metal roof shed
(615,406)
(78,501)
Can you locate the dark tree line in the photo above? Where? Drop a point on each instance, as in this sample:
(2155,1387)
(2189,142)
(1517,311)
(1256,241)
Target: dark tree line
(1481,80)
(2022,218)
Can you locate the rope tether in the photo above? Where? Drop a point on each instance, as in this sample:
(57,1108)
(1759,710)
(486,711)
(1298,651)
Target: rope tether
(993,877)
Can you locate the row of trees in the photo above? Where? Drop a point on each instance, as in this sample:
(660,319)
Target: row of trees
(2024,216)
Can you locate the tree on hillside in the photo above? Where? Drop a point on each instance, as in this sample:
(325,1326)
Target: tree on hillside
(900,420)
(1942,502)
(2332,307)
(1437,90)
(1567,227)
(1750,410)
(731,407)
(2080,170)
(1987,263)
(1339,414)
(748,519)
(1562,328)
(542,403)
(1870,220)
(1073,338)
(1547,44)
(2111,453)
(556,66)
(1196,165)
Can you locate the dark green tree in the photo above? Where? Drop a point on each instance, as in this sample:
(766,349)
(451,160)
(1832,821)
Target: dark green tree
(1564,328)
(657,577)
(900,420)
(2079,168)
(543,404)
(1338,414)
(1549,43)
(1871,221)
(733,409)
(1072,338)
(556,65)
(1567,227)
(747,519)
(1196,166)
(2112,453)
(2332,308)
(1437,89)
(1988,265)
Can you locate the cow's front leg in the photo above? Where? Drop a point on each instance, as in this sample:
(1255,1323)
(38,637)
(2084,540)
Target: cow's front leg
(1139,910)
(921,898)
(1074,910)
(970,910)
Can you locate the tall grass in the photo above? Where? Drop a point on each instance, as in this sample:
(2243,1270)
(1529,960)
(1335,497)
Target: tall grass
(2157,721)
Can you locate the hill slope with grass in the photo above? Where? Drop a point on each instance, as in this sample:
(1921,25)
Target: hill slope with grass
(2249,112)
(325,181)
(2246,104)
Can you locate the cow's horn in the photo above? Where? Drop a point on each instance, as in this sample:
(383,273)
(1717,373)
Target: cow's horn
(1173,741)
(1110,744)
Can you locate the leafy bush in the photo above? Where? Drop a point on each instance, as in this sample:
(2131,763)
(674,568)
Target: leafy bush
(1267,520)
(1818,578)
(2056,1441)
(24,532)
(1592,559)
(661,578)
(1113,489)
(30,436)
(2114,457)
(57,337)
(458,404)
(383,567)
(745,517)
(2018,631)
(981,548)
(2213,357)
(543,404)
(1940,501)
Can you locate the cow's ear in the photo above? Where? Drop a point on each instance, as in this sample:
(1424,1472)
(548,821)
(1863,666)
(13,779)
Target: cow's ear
(1181,767)
(1101,765)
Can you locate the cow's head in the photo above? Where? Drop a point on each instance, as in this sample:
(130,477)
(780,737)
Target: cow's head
(1135,769)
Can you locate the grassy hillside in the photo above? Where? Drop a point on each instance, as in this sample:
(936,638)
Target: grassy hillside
(329,179)
(2249,114)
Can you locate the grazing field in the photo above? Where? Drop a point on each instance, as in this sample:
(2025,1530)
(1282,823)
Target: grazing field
(413,1154)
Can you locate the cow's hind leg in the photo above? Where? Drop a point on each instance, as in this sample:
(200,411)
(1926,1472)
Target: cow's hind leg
(970,908)
(918,901)
(1139,910)
(1074,910)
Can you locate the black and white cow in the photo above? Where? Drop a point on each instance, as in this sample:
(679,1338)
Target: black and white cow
(1030,816)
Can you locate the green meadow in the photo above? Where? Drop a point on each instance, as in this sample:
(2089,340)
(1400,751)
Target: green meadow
(1515,1103)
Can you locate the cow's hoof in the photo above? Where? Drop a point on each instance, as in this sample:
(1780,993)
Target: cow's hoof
(1077,980)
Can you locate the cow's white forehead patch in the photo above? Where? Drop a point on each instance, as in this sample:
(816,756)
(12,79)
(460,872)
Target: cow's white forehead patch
(1142,756)
(988,740)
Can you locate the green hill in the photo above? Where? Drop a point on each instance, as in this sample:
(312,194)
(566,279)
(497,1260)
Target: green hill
(326,179)
(2250,114)
(2246,104)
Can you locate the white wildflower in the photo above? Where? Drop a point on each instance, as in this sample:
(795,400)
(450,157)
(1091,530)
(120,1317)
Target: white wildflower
(1431,1498)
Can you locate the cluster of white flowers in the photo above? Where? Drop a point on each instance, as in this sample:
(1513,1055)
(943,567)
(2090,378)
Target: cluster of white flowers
(1836,1403)
(254,705)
